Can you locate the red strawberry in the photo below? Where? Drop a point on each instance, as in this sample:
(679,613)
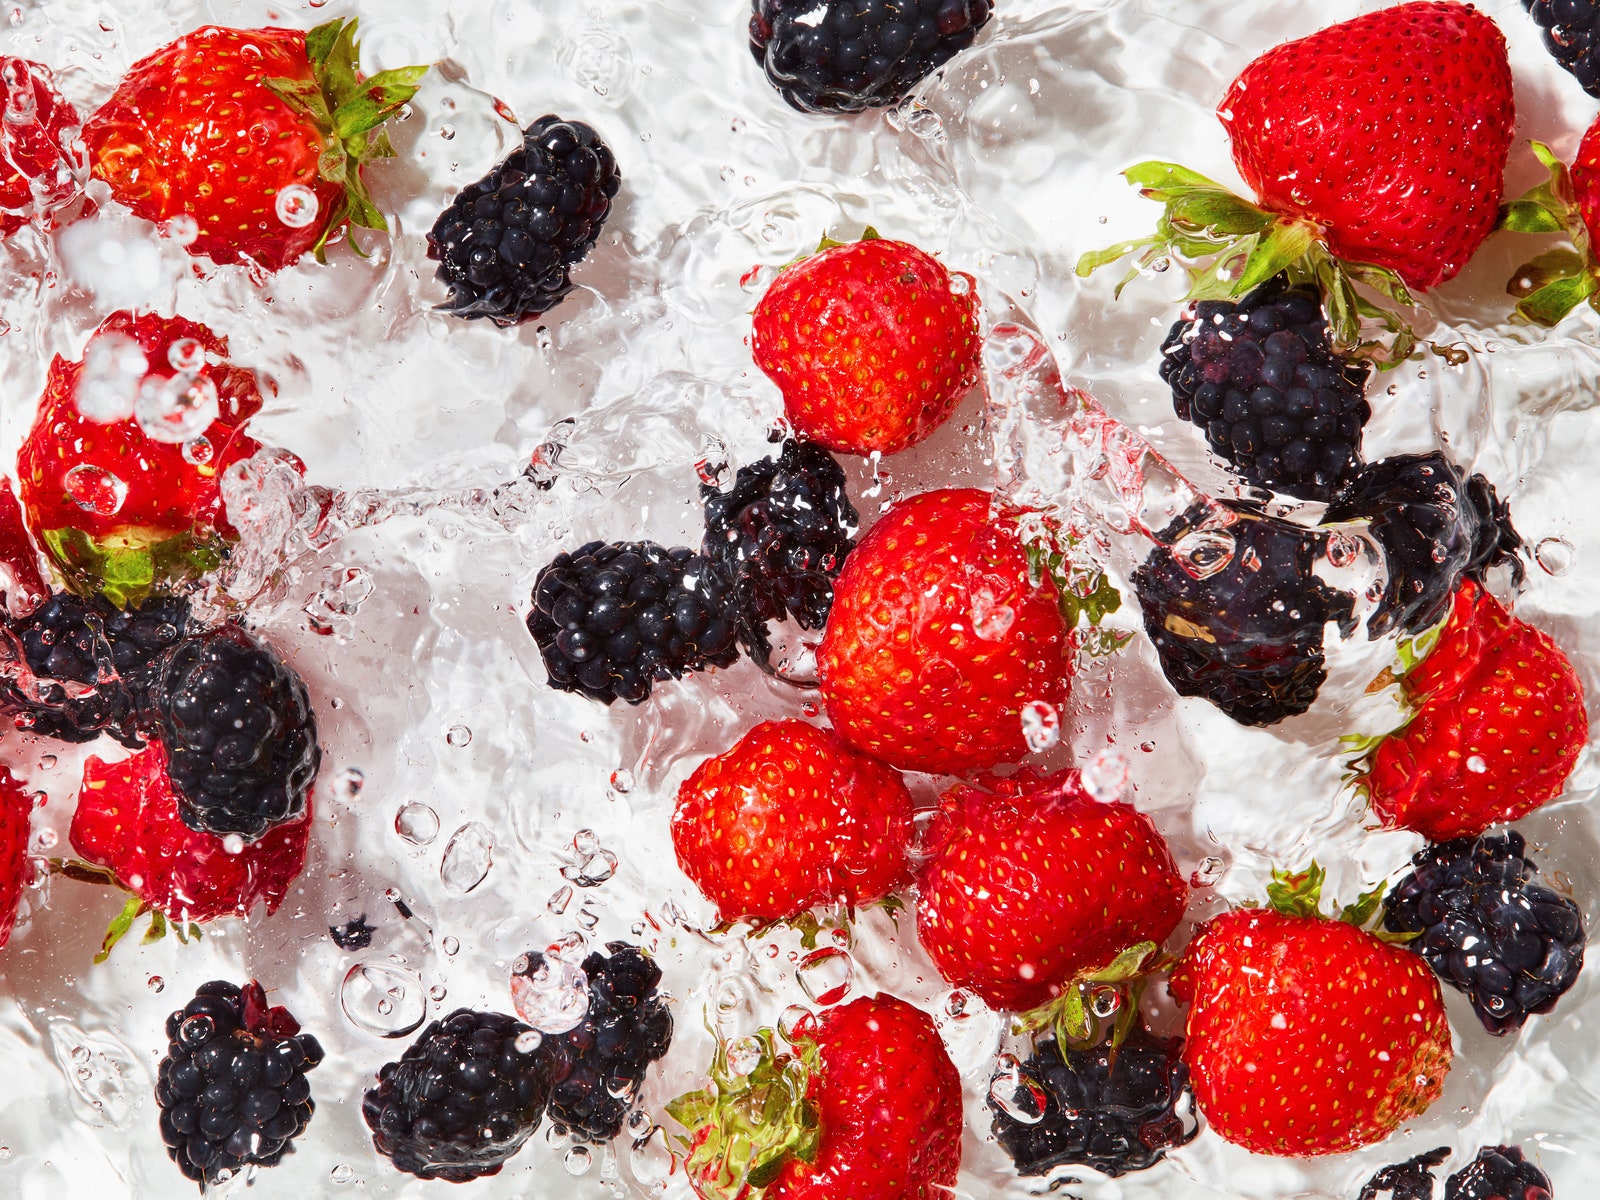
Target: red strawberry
(1036,882)
(1586,182)
(258,136)
(15,808)
(1499,725)
(116,509)
(788,819)
(1308,1035)
(127,821)
(873,344)
(938,638)
(22,586)
(36,163)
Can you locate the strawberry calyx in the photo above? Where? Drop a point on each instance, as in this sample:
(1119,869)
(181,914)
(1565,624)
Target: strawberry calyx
(752,1118)
(1099,1002)
(1084,592)
(1231,245)
(1299,894)
(350,113)
(1552,284)
(128,566)
(122,924)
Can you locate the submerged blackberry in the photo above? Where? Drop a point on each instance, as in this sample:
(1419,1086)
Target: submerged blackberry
(843,56)
(1571,31)
(1499,1173)
(1512,945)
(1436,525)
(1245,635)
(240,736)
(461,1100)
(596,1069)
(781,533)
(507,243)
(611,618)
(1410,1180)
(71,644)
(232,1089)
(1260,378)
(1114,1112)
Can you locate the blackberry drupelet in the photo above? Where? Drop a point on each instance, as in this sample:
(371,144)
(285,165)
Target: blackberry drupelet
(1437,526)
(781,533)
(860,54)
(1499,1173)
(611,618)
(1261,380)
(1247,636)
(462,1099)
(232,1090)
(1114,1112)
(240,736)
(507,243)
(596,1069)
(1410,1180)
(70,644)
(1571,31)
(1511,944)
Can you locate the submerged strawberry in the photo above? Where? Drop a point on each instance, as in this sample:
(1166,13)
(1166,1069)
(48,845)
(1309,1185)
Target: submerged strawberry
(40,153)
(16,806)
(23,586)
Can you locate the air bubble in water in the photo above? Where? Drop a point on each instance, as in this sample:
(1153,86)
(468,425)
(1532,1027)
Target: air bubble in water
(528,1041)
(383,999)
(95,490)
(451,946)
(991,619)
(297,206)
(1016,1094)
(233,843)
(558,902)
(198,451)
(183,229)
(1555,555)
(458,736)
(1204,552)
(347,785)
(578,1160)
(186,354)
(1041,725)
(108,384)
(595,864)
(825,975)
(1106,776)
(341,1173)
(467,858)
(552,996)
(622,781)
(156,984)
(1476,765)
(744,1054)
(1208,872)
(417,823)
(178,408)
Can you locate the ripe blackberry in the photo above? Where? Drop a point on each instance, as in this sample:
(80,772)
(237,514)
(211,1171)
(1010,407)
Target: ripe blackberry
(1571,31)
(70,644)
(354,934)
(232,1089)
(1114,1112)
(1260,378)
(1410,1180)
(1436,525)
(1247,635)
(1499,1173)
(781,533)
(507,243)
(1512,945)
(240,736)
(596,1069)
(858,54)
(461,1100)
(611,618)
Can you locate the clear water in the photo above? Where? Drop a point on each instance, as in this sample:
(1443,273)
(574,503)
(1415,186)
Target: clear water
(507,817)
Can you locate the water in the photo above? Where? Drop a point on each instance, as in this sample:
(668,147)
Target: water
(445,462)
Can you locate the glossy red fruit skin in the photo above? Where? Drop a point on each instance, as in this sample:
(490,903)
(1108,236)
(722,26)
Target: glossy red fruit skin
(938,639)
(23,586)
(1500,722)
(1308,1036)
(871,343)
(127,821)
(16,808)
(34,151)
(791,818)
(1586,184)
(1035,881)
(1390,130)
(890,1101)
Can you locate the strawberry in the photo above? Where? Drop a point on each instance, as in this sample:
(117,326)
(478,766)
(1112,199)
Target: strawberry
(868,1108)
(257,136)
(788,819)
(1032,882)
(1559,279)
(1498,726)
(127,822)
(117,509)
(15,808)
(939,638)
(38,146)
(1308,1035)
(873,344)
(23,586)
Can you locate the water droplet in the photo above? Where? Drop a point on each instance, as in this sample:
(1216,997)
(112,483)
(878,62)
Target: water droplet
(651,1158)
(991,619)
(825,975)
(392,895)
(47,762)
(437,993)
(1202,553)
(297,206)
(451,946)
(233,843)
(417,823)
(1041,725)
(1555,555)
(198,451)
(196,1031)
(95,490)
(80,1054)
(1106,776)
(552,996)
(1208,872)
(383,999)
(108,384)
(467,858)
(1016,1094)
(176,408)
(447,132)
(458,736)
(1343,550)
(558,902)
(186,354)
(156,984)
(47,839)
(347,785)
(1105,1000)
(182,229)
(960,283)
(528,1041)
(622,781)
(744,1054)
(1476,765)
(341,1173)
(595,864)
(578,1160)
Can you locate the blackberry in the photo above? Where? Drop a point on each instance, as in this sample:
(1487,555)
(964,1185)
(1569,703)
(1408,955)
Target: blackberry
(596,1069)
(1247,635)
(1410,1180)
(354,934)
(858,54)
(1571,31)
(240,736)
(1499,1173)
(1261,380)
(506,245)
(781,533)
(611,618)
(1512,945)
(1437,526)
(71,644)
(1113,1111)
(462,1099)
(232,1089)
